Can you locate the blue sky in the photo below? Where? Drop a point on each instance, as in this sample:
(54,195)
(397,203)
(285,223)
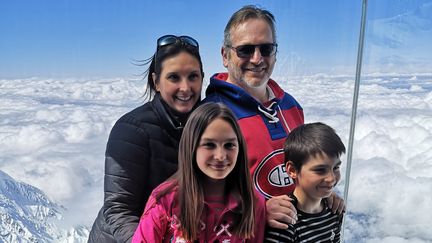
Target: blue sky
(81,38)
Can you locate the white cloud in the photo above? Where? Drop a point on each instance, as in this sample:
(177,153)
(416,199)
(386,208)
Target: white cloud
(54,134)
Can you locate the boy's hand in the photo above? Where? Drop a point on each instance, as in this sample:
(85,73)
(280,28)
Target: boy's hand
(336,203)
(280,212)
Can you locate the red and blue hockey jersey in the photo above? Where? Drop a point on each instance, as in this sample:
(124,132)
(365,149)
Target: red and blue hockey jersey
(265,127)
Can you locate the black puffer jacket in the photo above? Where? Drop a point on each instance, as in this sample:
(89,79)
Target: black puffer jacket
(141,153)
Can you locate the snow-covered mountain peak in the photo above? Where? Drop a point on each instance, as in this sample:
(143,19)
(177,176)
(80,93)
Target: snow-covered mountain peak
(27,215)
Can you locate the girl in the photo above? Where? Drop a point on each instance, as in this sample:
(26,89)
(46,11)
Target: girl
(210,198)
(142,148)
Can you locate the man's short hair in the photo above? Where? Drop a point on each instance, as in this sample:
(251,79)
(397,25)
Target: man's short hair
(245,13)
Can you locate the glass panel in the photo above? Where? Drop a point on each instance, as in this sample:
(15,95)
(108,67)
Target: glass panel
(66,77)
(391,180)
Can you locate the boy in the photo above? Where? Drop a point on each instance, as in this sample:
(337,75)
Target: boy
(312,156)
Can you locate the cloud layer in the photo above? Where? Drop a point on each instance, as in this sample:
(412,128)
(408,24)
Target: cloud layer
(53,136)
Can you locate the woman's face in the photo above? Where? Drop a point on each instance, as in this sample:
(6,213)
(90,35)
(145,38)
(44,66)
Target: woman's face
(180,82)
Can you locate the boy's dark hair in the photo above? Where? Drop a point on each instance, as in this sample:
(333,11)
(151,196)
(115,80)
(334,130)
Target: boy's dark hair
(310,140)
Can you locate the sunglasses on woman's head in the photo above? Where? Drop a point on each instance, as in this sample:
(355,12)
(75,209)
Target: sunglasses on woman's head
(247,51)
(172,39)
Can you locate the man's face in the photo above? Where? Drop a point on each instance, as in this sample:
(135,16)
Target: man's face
(253,71)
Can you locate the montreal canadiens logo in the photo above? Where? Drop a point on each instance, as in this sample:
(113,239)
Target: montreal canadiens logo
(270,177)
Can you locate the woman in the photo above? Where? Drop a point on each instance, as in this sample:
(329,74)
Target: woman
(142,148)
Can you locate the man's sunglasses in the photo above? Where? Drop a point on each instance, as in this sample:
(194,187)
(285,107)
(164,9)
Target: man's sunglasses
(172,39)
(247,51)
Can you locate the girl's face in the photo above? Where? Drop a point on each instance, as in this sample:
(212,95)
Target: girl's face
(217,150)
(180,82)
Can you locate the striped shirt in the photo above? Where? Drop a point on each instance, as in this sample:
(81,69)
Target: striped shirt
(320,227)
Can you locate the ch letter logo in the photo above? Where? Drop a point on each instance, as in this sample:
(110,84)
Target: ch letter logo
(270,177)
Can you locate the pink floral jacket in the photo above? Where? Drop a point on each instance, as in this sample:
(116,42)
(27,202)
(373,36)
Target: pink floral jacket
(159,221)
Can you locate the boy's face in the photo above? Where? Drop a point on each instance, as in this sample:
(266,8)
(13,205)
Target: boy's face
(317,177)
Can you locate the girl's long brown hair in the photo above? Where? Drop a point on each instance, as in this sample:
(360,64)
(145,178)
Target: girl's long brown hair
(189,177)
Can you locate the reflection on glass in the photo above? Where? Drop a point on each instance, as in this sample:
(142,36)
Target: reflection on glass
(391,175)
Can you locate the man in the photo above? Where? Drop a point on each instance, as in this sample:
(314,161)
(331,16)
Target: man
(265,112)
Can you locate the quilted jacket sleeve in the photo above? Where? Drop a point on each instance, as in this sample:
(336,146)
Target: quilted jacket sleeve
(126,170)
(153,223)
